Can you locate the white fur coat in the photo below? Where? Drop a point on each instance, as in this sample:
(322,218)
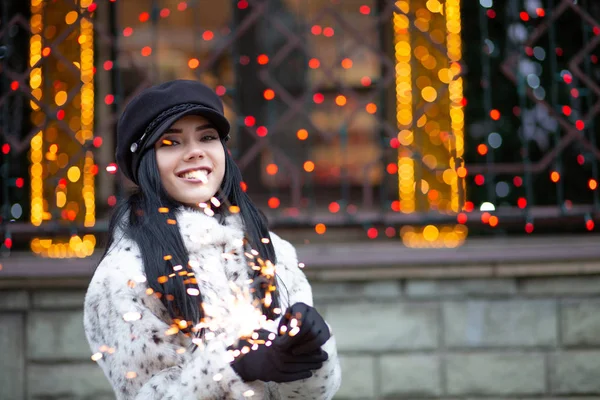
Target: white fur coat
(127,329)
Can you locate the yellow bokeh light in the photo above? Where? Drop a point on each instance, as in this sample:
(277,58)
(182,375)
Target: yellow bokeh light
(71,17)
(61,199)
(74,173)
(431,233)
(60,98)
(429,94)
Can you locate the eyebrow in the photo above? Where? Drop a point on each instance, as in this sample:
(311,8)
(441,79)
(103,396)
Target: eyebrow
(198,128)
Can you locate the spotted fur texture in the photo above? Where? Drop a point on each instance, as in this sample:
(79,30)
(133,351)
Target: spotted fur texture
(128,326)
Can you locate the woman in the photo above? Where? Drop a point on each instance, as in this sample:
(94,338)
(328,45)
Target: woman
(194,298)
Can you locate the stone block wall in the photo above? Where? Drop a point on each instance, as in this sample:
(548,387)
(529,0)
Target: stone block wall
(466,338)
(510,338)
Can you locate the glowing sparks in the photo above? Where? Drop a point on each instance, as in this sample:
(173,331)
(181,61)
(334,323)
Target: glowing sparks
(131,375)
(217,377)
(162,279)
(132,316)
(209,212)
(215,202)
(171,221)
(193,292)
(294,331)
(163,210)
(180,350)
(234,209)
(301,265)
(265,240)
(96,356)
(182,324)
(173,330)
(177,268)
(168,257)
(249,393)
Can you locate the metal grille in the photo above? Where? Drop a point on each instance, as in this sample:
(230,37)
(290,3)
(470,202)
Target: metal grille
(314,93)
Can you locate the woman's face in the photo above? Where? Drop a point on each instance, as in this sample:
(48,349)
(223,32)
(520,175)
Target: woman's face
(191,160)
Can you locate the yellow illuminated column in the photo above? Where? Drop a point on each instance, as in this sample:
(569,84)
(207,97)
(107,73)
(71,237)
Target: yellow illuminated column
(430,117)
(62,170)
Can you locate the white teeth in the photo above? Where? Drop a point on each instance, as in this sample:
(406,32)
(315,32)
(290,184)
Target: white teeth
(200,174)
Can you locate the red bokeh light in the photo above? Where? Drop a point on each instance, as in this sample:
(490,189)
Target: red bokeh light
(372,233)
(334,207)
(262,131)
(249,120)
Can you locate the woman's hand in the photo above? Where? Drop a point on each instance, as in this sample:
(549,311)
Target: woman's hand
(271,362)
(302,330)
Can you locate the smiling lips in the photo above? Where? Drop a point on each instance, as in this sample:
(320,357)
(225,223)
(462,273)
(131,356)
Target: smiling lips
(195,175)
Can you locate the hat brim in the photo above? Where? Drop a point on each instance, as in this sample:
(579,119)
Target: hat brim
(215,118)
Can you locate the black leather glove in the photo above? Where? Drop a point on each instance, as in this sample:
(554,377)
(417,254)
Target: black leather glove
(303,330)
(272,363)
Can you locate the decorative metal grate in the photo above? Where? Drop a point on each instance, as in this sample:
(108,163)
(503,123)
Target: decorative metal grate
(412,119)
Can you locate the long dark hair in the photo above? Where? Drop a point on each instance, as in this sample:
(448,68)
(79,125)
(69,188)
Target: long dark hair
(139,218)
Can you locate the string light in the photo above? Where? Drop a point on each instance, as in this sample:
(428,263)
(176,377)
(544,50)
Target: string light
(420,69)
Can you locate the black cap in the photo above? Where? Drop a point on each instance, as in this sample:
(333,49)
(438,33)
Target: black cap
(154,110)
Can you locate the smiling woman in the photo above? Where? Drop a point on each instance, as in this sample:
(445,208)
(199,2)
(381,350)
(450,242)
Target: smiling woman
(187,301)
(191,160)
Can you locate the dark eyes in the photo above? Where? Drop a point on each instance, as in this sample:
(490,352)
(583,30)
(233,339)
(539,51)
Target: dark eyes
(174,141)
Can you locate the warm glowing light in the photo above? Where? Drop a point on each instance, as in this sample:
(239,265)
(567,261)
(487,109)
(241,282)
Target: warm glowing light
(309,166)
(314,63)
(193,63)
(269,94)
(272,169)
(346,63)
(274,202)
(208,35)
(340,100)
(320,229)
(554,176)
(262,59)
(592,184)
(302,134)
(146,51)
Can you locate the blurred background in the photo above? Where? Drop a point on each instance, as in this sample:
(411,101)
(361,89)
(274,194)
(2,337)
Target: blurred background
(434,161)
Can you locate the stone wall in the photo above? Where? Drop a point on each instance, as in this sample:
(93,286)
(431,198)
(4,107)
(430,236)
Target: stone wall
(461,338)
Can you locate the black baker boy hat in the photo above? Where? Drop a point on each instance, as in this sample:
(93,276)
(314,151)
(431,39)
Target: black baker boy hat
(154,110)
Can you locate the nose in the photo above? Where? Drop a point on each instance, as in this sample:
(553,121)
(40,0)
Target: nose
(193,151)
